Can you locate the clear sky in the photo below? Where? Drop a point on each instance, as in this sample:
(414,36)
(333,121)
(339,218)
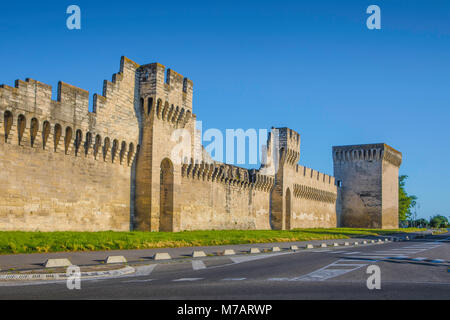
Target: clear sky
(310,65)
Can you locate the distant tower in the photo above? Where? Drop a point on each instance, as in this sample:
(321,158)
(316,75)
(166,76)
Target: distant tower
(368,179)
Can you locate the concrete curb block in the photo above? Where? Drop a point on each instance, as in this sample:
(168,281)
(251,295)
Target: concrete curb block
(229,252)
(116,259)
(356,243)
(346,243)
(293,248)
(198,254)
(55,263)
(309,246)
(323,245)
(64,276)
(275,249)
(161,256)
(254,250)
(364,242)
(335,244)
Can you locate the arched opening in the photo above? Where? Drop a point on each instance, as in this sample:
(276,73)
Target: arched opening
(87,143)
(57,135)
(166,196)
(158,107)
(106,148)
(34,127)
(115,146)
(21,124)
(8,121)
(78,139)
(97,145)
(123,149)
(288,209)
(130,153)
(45,133)
(149,105)
(67,139)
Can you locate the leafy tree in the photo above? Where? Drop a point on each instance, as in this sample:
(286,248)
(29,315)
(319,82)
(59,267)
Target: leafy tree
(405,202)
(438,221)
(421,223)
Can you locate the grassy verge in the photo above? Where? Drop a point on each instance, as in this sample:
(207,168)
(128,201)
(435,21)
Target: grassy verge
(34,242)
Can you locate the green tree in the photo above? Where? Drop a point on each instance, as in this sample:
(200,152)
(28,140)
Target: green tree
(438,221)
(405,202)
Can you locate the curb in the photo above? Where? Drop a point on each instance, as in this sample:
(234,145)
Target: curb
(64,276)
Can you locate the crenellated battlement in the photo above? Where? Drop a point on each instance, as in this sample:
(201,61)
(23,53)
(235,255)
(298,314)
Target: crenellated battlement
(157,83)
(67,168)
(227,174)
(307,192)
(287,144)
(30,118)
(367,152)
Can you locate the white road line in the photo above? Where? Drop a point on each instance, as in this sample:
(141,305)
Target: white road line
(145,280)
(352,260)
(198,265)
(187,279)
(352,252)
(323,274)
(240,259)
(233,279)
(328,272)
(337,251)
(144,270)
(419,259)
(349,264)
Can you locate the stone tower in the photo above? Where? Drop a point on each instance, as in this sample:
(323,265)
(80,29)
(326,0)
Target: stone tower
(166,106)
(284,144)
(367,177)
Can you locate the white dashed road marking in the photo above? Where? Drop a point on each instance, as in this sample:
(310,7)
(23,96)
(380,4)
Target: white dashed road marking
(198,265)
(145,280)
(187,279)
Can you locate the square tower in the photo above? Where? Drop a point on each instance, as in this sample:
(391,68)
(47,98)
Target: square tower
(367,177)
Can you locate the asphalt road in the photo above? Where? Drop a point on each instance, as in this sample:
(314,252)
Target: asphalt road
(416,269)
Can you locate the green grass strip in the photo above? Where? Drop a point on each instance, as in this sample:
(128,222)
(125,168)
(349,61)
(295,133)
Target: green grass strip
(41,242)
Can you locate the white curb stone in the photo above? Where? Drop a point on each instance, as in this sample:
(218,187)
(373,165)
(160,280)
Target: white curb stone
(161,256)
(323,245)
(294,248)
(198,254)
(116,259)
(229,252)
(276,249)
(364,242)
(254,250)
(356,243)
(335,244)
(54,263)
(309,246)
(346,243)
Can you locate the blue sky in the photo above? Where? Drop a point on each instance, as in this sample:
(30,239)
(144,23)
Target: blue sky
(310,65)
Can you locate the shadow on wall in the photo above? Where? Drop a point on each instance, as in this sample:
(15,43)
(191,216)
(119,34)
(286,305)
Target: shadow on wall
(138,114)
